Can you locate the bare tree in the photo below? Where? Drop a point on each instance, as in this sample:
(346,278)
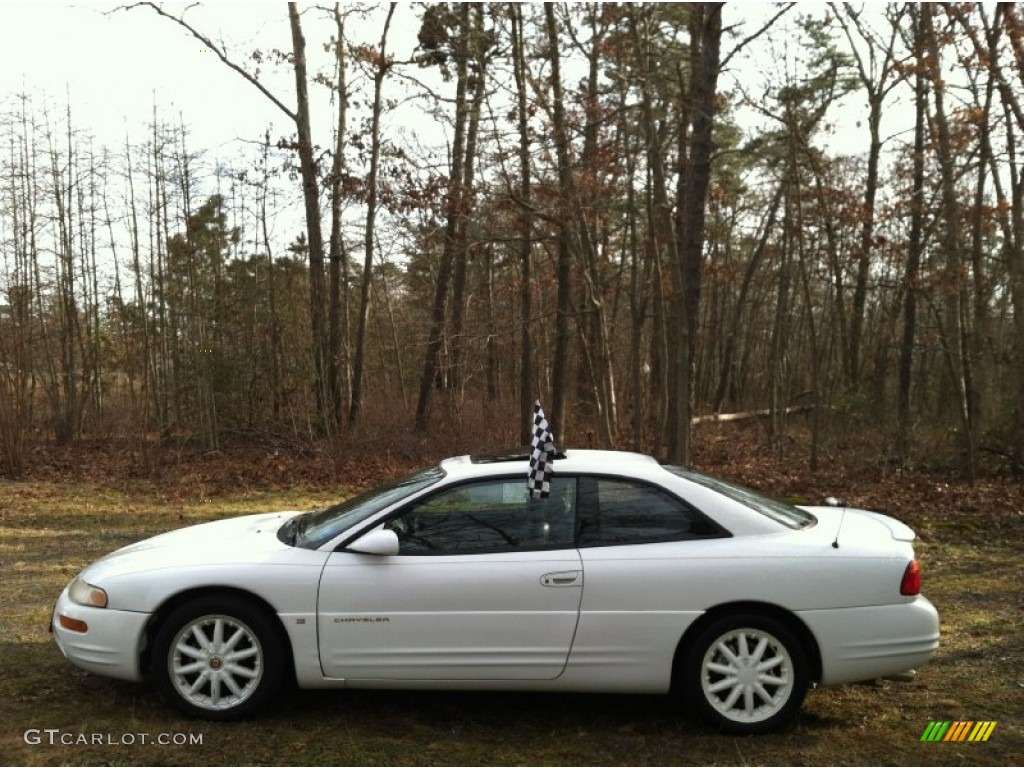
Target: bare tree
(879,72)
(310,182)
(454,210)
(338,376)
(380,70)
(696,125)
(559,393)
(526,372)
(951,320)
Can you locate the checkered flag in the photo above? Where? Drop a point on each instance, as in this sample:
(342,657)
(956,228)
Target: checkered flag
(538,479)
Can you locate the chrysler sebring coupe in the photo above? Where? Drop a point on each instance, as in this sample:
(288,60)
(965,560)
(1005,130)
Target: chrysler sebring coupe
(629,576)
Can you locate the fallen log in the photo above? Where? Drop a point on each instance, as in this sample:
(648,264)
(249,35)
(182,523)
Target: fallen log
(743,415)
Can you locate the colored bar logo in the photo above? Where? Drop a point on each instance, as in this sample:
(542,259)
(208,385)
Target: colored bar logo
(958,730)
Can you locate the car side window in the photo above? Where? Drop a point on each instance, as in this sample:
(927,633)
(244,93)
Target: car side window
(619,512)
(488,516)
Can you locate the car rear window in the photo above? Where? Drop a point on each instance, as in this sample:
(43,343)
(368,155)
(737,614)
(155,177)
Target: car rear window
(779,511)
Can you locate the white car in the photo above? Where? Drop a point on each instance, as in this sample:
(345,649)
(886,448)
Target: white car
(629,577)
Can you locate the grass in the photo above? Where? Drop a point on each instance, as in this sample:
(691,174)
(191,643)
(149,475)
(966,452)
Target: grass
(48,531)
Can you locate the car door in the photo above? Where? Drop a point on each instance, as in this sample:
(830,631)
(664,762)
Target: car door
(486,585)
(645,554)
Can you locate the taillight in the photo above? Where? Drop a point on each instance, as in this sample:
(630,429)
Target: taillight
(911,584)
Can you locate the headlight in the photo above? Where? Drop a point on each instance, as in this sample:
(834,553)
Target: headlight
(83,593)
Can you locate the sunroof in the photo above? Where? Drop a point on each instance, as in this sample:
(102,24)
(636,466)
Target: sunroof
(511,454)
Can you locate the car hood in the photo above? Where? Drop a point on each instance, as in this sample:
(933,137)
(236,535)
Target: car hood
(238,540)
(855,527)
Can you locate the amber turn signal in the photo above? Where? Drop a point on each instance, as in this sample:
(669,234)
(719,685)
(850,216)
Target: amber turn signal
(75,625)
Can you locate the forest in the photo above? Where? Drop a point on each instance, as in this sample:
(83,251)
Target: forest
(608,224)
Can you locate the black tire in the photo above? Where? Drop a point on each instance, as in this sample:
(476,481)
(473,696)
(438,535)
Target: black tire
(770,679)
(218,658)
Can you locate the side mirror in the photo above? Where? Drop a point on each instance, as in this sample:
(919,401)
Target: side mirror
(376,542)
(832,501)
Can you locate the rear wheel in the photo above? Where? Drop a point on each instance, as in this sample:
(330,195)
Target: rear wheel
(746,674)
(218,658)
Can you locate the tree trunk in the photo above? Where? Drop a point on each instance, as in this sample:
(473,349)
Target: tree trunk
(337,313)
(780,331)
(476,49)
(564,261)
(526,374)
(311,198)
(952,321)
(728,374)
(875,71)
(371,215)
(453,212)
(910,279)
(705,40)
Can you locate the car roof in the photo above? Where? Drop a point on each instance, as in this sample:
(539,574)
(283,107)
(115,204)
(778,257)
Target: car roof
(735,516)
(571,460)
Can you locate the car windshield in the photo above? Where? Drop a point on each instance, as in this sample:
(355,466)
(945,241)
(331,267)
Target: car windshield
(787,514)
(314,529)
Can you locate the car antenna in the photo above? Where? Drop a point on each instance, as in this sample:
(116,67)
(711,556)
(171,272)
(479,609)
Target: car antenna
(832,501)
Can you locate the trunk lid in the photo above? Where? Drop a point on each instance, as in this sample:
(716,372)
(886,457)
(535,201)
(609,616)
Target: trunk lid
(851,525)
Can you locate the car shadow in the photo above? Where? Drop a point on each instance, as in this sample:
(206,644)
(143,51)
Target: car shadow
(490,708)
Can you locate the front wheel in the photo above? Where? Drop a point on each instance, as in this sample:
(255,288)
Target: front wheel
(746,674)
(218,658)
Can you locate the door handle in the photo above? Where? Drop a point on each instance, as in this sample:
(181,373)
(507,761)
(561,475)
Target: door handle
(562,579)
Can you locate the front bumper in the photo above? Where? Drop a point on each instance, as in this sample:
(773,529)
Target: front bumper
(112,645)
(874,641)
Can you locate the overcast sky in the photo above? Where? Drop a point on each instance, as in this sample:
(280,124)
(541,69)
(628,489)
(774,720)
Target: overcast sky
(115,64)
